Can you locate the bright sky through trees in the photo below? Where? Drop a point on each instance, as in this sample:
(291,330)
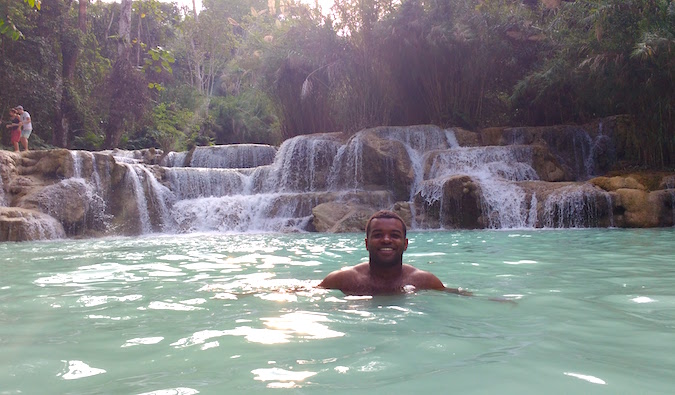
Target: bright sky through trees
(325,4)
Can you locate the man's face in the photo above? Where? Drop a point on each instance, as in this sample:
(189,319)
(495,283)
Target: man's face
(386,242)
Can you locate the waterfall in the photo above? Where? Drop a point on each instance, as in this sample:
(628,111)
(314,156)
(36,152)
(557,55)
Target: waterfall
(233,156)
(124,156)
(77,164)
(95,217)
(331,180)
(347,168)
(296,167)
(584,154)
(495,169)
(669,183)
(245,213)
(39,227)
(418,142)
(576,206)
(174,159)
(193,183)
(3,198)
(135,182)
(258,188)
(276,195)
(160,197)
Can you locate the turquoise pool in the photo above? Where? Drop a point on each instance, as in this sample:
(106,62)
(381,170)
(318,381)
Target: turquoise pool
(593,312)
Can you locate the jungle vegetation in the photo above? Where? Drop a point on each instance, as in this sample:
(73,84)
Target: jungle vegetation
(139,74)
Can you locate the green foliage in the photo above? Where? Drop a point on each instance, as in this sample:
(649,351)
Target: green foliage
(159,60)
(7,27)
(608,57)
(88,141)
(245,118)
(259,71)
(171,126)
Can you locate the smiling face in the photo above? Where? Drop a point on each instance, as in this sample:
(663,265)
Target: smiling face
(386,242)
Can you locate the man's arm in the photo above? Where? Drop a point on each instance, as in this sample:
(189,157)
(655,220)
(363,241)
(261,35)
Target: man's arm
(427,280)
(458,291)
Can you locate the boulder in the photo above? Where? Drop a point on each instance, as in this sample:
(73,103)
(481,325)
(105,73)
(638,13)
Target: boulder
(547,166)
(69,202)
(386,165)
(453,203)
(336,217)
(614,183)
(18,224)
(638,208)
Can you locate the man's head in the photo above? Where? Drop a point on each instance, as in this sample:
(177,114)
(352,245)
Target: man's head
(385,240)
(385,214)
(19,108)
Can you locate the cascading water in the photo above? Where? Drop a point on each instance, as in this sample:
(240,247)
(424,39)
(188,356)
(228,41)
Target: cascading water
(582,153)
(495,169)
(134,181)
(347,169)
(3,198)
(160,197)
(95,216)
(174,159)
(669,183)
(417,146)
(270,197)
(243,188)
(193,183)
(299,164)
(575,207)
(233,156)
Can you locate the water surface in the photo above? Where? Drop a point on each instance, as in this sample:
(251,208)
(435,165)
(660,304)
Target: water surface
(593,312)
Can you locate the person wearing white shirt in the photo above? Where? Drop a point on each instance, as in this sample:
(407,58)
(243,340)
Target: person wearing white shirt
(27,127)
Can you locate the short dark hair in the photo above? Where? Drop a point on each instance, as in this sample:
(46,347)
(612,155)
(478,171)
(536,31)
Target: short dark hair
(385,214)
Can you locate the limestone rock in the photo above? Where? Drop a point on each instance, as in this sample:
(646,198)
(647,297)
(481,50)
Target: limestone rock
(17,224)
(547,166)
(466,138)
(387,165)
(617,182)
(335,217)
(640,209)
(452,203)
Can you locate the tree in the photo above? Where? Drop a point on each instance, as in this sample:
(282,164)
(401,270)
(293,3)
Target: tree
(127,86)
(206,45)
(71,45)
(609,57)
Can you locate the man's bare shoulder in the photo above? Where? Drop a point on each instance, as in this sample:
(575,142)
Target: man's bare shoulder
(343,277)
(421,279)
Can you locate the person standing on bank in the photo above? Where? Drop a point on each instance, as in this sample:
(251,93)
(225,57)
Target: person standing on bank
(14,127)
(27,127)
(384,273)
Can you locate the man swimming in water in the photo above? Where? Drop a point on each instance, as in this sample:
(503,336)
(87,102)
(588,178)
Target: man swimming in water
(385,272)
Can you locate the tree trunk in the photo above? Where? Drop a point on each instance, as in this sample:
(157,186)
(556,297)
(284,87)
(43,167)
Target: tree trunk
(118,109)
(70,50)
(123,47)
(118,81)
